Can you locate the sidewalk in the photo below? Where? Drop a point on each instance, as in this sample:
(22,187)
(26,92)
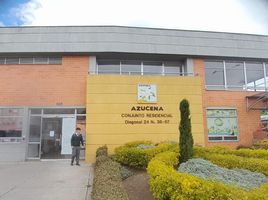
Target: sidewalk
(45,180)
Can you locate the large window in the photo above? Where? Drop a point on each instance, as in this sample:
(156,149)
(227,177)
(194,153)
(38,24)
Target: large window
(214,74)
(255,76)
(11,122)
(222,124)
(236,75)
(174,68)
(136,67)
(108,67)
(152,68)
(131,67)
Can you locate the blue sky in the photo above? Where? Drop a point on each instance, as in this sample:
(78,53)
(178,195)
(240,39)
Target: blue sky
(239,16)
(7,15)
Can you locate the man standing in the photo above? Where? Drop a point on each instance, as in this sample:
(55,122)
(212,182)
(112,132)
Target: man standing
(76,140)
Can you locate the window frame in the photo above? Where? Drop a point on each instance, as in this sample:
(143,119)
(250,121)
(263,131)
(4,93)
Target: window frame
(181,68)
(229,87)
(223,136)
(8,140)
(50,60)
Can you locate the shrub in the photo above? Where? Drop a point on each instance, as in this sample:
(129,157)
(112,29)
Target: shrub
(186,138)
(168,184)
(145,146)
(232,161)
(262,144)
(169,158)
(249,153)
(137,143)
(107,183)
(206,170)
(136,157)
(102,151)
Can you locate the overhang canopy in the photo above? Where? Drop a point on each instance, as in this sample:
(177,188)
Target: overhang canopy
(257,101)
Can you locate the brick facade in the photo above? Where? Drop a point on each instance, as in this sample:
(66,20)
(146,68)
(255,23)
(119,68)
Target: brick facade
(45,85)
(249,123)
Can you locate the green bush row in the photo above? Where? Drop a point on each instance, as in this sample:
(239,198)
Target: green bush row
(130,155)
(107,183)
(168,184)
(233,161)
(250,153)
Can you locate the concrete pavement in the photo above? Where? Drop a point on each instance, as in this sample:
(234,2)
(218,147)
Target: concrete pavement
(45,180)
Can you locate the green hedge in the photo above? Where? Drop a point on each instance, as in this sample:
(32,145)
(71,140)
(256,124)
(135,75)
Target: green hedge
(232,161)
(249,153)
(130,155)
(107,183)
(168,184)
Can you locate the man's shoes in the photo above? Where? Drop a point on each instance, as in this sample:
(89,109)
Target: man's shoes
(77,164)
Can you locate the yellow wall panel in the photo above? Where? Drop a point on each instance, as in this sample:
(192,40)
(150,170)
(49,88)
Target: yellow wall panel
(121,139)
(110,96)
(129,89)
(132,98)
(128,80)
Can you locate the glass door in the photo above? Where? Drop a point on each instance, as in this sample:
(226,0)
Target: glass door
(51,138)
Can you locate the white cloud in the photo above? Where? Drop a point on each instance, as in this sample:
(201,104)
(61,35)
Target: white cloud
(2,24)
(26,12)
(181,14)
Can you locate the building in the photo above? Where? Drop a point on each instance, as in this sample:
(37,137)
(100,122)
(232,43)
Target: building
(121,84)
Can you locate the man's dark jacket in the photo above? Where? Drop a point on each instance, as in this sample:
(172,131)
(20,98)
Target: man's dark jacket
(76,139)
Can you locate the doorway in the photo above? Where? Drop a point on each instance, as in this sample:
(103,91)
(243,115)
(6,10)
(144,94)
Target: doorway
(56,137)
(50,132)
(51,138)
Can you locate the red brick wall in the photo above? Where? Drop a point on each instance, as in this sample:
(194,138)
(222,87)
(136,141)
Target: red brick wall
(45,85)
(248,122)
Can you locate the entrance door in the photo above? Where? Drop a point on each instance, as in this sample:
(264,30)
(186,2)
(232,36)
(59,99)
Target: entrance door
(51,138)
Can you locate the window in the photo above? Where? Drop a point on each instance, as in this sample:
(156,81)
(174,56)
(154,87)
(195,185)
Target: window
(255,76)
(26,60)
(214,73)
(235,75)
(54,60)
(11,121)
(59,111)
(2,61)
(152,68)
(12,61)
(173,68)
(138,67)
(108,67)
(41,60)
(80,111)
(35,129)
(30,60)
(222,125)
(131,67)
